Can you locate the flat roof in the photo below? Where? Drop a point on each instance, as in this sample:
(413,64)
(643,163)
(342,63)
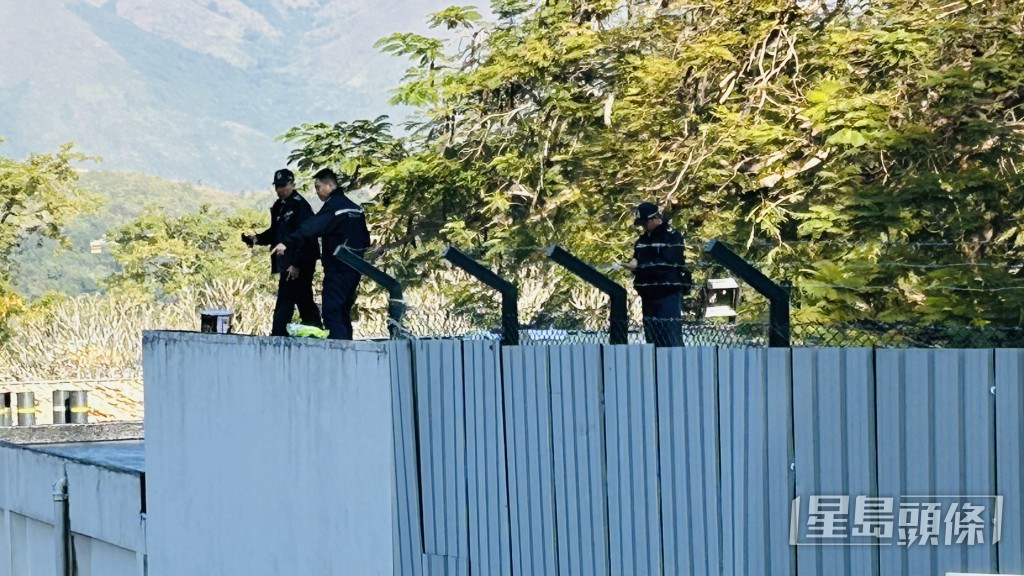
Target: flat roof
(121,455)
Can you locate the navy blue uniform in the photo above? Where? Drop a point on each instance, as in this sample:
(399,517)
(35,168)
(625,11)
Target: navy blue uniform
(661,279)
(286,216)
(340,222)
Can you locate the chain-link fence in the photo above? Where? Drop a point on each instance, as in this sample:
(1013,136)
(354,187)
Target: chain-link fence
(485,324)
(906,335)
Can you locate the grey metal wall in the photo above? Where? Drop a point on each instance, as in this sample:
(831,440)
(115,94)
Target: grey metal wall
(834,441)
(1009,377)
(623,460)
(268,455)
(691,517)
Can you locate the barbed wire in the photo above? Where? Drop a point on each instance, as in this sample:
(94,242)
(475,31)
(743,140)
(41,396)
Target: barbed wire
(881,243)
(627,246)
(489,253)
(817,284)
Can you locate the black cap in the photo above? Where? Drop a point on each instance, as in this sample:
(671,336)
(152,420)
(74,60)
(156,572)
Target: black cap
(644,211)
(283,176)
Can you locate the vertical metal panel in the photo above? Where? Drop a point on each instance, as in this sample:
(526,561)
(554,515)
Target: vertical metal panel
(489,539)
(757,485)
(834,426)
(446,566)
(631,420)
(979,444)
(1010,456)
(440,398)
(936,422)
(577,398)
(408,537)
(530,466)
(778,458)
(688,442)
(904,443)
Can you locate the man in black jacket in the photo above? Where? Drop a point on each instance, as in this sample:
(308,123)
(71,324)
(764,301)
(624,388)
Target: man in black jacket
(340,222)
(661,277)
(295,287)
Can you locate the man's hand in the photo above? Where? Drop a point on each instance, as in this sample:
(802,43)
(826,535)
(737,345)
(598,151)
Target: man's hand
(249,239)
(278,250)
(631,265)
(292,273)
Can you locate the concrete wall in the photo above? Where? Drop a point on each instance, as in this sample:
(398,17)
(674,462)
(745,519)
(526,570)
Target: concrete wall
(105,511)
(268,456)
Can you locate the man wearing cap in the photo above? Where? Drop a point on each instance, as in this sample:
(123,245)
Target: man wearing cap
(295,287)
(340,223)
(661,277)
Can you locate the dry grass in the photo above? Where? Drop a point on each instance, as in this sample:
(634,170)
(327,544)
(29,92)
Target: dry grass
(95,340)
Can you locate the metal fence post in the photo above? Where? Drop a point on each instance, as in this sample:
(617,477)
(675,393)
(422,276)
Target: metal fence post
(61,406)
(508,290)
(6,405)
(778,296)
(618,317)
(78,407)
(26,408)
(396,304)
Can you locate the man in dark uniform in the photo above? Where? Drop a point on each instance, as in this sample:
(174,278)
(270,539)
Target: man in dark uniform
(340,222)
(295,287)
(661,277)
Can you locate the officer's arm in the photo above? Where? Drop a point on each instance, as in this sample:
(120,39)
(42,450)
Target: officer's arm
(307,258)
(266,237)
(675,252)
(364,233)
(633,264)
(314,227)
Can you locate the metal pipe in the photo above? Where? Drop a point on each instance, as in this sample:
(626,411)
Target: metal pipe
(60,406)
(6,417)
(396,302)
(509,292)
(618,317)
(62,526)
(78,405)
(26,408)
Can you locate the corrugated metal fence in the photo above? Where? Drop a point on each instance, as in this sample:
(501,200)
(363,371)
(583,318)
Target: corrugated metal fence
(623,460)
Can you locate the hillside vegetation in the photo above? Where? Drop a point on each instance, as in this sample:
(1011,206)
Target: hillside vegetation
(870,154)
(41,264)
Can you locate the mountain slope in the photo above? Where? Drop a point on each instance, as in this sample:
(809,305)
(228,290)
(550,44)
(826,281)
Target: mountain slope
(193,89)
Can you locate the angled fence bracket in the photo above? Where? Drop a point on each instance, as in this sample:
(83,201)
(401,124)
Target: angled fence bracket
(618,317)
(509,292)
(778,296)
(396,303)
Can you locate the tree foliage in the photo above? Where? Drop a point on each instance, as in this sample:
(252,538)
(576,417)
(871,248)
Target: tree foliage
(869,153)
(37,196)
(160,254)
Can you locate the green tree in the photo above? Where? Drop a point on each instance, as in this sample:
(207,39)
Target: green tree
(870,153)
(37,196)
(160,255)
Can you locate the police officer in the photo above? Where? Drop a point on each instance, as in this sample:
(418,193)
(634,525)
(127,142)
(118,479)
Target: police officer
(295,287)
(340,222)
(661,277)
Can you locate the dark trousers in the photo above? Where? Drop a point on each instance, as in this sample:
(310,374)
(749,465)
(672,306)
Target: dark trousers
(292,294)
(340,287)
(663,319)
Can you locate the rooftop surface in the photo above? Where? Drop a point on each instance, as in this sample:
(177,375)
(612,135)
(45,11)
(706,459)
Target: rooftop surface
(122,454)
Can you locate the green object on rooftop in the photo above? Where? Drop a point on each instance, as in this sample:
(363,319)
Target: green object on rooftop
(304,331)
